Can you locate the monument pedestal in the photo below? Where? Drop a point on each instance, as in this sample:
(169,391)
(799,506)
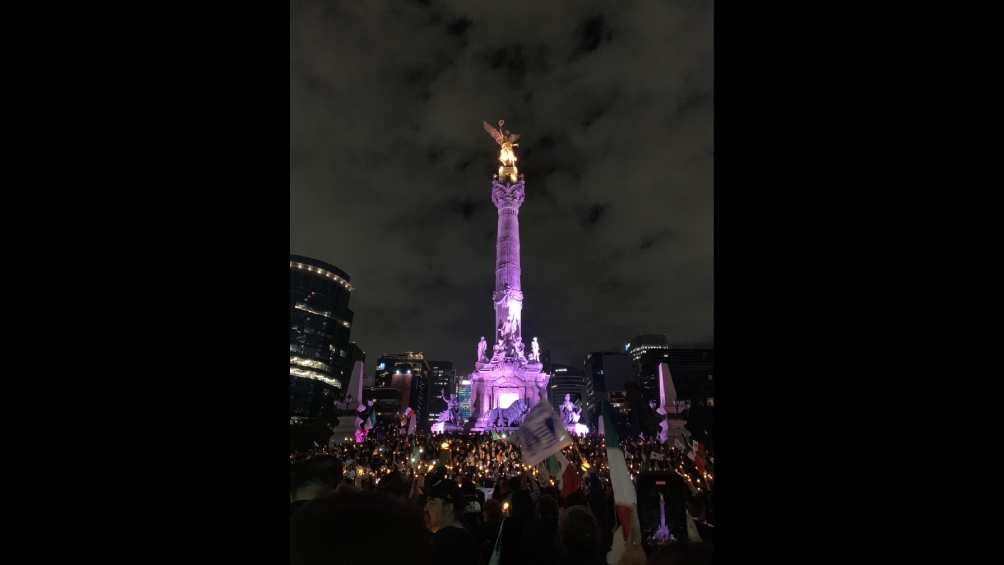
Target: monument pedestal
(503,391)
(446,427)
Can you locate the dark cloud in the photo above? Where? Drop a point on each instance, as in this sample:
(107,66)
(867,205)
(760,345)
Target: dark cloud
(509,60)
(649,241)
(458,26)
(593,33)
(610,286)
(390,170)
(466,208)
(592,215)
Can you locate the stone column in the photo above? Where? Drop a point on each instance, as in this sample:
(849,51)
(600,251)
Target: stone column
(508,295)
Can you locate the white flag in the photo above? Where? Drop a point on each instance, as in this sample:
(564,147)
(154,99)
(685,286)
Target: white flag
(541,434)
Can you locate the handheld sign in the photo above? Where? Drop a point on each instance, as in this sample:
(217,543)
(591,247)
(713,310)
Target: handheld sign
(541,434)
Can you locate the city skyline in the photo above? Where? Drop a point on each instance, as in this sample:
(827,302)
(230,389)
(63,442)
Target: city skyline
(391,172)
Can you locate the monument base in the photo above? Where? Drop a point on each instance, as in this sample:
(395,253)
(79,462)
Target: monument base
(446,427)
(505,391)
(674,431)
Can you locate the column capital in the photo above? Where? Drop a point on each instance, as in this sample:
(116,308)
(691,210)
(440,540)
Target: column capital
(505,195)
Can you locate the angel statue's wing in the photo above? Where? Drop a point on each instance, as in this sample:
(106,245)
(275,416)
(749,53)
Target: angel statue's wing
(513,138)
(496,134)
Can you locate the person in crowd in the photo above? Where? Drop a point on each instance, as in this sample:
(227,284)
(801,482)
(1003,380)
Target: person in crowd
(602,510)
(452,544)
(394,485)
(683,554)
(577,498)
(580,538)
(540,538)
(520,515)
(313,479)
(480,494)
(489,529)
(502,490)
(406,468)
(353,527)
(472,505)
(397,486)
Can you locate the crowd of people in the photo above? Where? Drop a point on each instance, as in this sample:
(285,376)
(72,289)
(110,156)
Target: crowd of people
(462,498)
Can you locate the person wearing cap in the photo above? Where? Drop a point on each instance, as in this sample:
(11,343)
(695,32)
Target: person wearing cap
(452,544)
(472,505)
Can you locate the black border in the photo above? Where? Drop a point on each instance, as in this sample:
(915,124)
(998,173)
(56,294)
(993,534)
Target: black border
(207,428)
(201,294)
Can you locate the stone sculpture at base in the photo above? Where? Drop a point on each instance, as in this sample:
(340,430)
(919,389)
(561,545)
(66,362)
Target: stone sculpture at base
(482,346)
(571,412)
(449,419)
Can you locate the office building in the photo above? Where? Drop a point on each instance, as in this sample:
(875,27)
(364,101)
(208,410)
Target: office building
(566,379)
(320,321)
(646,352)
(410,374)
(463,390)
(611,375)
(441,383)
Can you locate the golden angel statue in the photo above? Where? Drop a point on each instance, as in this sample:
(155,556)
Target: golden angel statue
(507,155)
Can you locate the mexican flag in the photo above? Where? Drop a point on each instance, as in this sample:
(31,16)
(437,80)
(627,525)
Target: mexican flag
(557,467)
(625,498)
(412,426)
(552,467)
(570,480)
(700,457)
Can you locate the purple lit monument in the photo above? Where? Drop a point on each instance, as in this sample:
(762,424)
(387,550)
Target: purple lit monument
(509,382)
(672,412)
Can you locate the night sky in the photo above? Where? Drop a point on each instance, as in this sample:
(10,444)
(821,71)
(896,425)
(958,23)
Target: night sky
(390,169)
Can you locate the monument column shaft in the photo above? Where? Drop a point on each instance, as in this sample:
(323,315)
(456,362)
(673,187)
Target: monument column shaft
(508,295)
(507,267)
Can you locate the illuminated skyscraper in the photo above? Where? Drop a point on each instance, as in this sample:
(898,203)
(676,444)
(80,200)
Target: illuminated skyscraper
(611,375)
(463,390)
(646,352)
(441,383)
(410,374)
(320,354)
